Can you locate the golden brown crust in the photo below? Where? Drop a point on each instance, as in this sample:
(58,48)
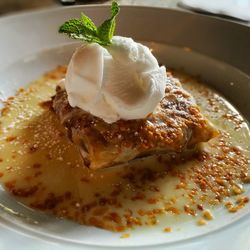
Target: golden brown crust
(176,124)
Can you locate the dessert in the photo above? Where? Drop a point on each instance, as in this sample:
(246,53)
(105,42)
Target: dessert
(176,127)
(117,104)
(193,168)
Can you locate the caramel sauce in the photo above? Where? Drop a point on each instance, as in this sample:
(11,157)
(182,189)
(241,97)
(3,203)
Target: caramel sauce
(42,168)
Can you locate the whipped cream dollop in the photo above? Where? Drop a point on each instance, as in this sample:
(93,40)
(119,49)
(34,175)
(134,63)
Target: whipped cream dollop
(121,81)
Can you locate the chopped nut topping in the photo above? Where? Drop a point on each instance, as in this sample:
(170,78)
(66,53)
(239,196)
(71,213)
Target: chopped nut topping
(126,235)
(167,229)
(201,222)
(207,215)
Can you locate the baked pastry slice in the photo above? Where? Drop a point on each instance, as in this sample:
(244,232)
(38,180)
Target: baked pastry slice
(176,126)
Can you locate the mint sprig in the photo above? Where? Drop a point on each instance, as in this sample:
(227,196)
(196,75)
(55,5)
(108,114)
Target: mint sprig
(85,30)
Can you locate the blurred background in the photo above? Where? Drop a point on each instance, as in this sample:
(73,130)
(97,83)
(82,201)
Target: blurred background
(236,10)
(10,6)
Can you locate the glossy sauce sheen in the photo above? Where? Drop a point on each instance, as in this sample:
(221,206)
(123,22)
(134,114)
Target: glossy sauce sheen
(44,170)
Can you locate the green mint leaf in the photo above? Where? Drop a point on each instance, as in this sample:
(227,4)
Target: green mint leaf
(88,23)
(115,9)
(106,30)
(85,30)
(82,29)
(72,26)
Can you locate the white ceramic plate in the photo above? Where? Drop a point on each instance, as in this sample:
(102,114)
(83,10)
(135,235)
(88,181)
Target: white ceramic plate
(30,46)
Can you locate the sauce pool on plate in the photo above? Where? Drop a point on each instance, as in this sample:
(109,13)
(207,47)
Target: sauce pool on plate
(42,168)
